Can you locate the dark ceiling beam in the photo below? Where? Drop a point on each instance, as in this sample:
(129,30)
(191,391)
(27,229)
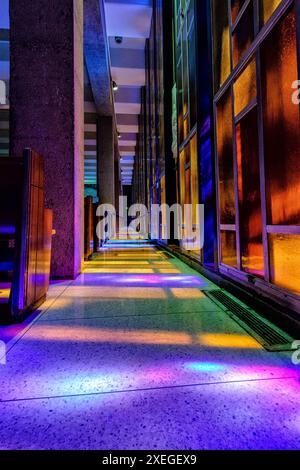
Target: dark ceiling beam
(97,55)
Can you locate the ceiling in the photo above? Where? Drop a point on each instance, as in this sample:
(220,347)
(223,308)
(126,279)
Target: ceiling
(130,20)
(4,40)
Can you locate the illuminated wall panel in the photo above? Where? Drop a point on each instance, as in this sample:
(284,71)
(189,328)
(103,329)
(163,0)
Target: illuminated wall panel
(236,6)
(243,35)
(225,158)
(249,194)
(281,124)
(267,8)
(187,197)
(258,140)
(185,69)
(187,84)
(163,202)
(180,101)
(245,88)
(192,76)
(228,248)
(221,43)
(285,261)
(182,178)
(194,176)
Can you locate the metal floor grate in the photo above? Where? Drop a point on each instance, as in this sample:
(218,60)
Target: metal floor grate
(268,335)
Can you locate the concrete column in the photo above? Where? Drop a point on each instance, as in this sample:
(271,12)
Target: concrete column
(117,173)
(46,112)
(106,160)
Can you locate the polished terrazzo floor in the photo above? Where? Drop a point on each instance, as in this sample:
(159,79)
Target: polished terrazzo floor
(133,355)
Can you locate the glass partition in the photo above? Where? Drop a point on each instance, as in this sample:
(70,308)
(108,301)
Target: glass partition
(258,143)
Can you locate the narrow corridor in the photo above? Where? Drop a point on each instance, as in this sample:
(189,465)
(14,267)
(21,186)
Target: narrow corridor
(132,354)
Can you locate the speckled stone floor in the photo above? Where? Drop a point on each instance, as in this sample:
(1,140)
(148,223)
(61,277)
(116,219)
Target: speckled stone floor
(133,355)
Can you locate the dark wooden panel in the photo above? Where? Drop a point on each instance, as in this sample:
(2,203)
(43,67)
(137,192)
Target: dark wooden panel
(44,254)
(88,227)
(11,184)
(25,231)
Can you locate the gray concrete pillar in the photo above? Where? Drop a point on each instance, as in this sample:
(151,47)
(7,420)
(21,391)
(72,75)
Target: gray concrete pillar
(46,112)
(117,173)
(106,160)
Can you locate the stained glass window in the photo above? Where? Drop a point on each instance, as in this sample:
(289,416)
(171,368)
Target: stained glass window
(249,194)
(228,248)
(225,158)
(281,124)
(243,35)
(267,8)
(285,261)
(221,43)
(245,88)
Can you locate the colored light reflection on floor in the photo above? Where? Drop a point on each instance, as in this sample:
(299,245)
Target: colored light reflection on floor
(122,263)
(102,335)
(139,336)
(138,279)
(222,340)
(111,292)
(205,367)
(129,256)
(120,270)
(187,366)
(4,295)
(187,293)
(134,247)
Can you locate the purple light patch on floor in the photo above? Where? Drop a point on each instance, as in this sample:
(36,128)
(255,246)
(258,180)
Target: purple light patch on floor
(9,332)
(140,280)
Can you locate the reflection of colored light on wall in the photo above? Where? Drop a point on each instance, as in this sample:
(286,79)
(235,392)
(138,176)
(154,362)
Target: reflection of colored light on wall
(187,293)
(285,261)
(205,367)
(4,293)
(228,341)
(7,230)
(106,335)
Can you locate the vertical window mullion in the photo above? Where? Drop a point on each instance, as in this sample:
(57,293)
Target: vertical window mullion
(235,166)
(261,149)
(297,13)
(236,194)
(188,71)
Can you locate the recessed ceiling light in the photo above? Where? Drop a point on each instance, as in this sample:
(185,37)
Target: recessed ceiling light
(115,86)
